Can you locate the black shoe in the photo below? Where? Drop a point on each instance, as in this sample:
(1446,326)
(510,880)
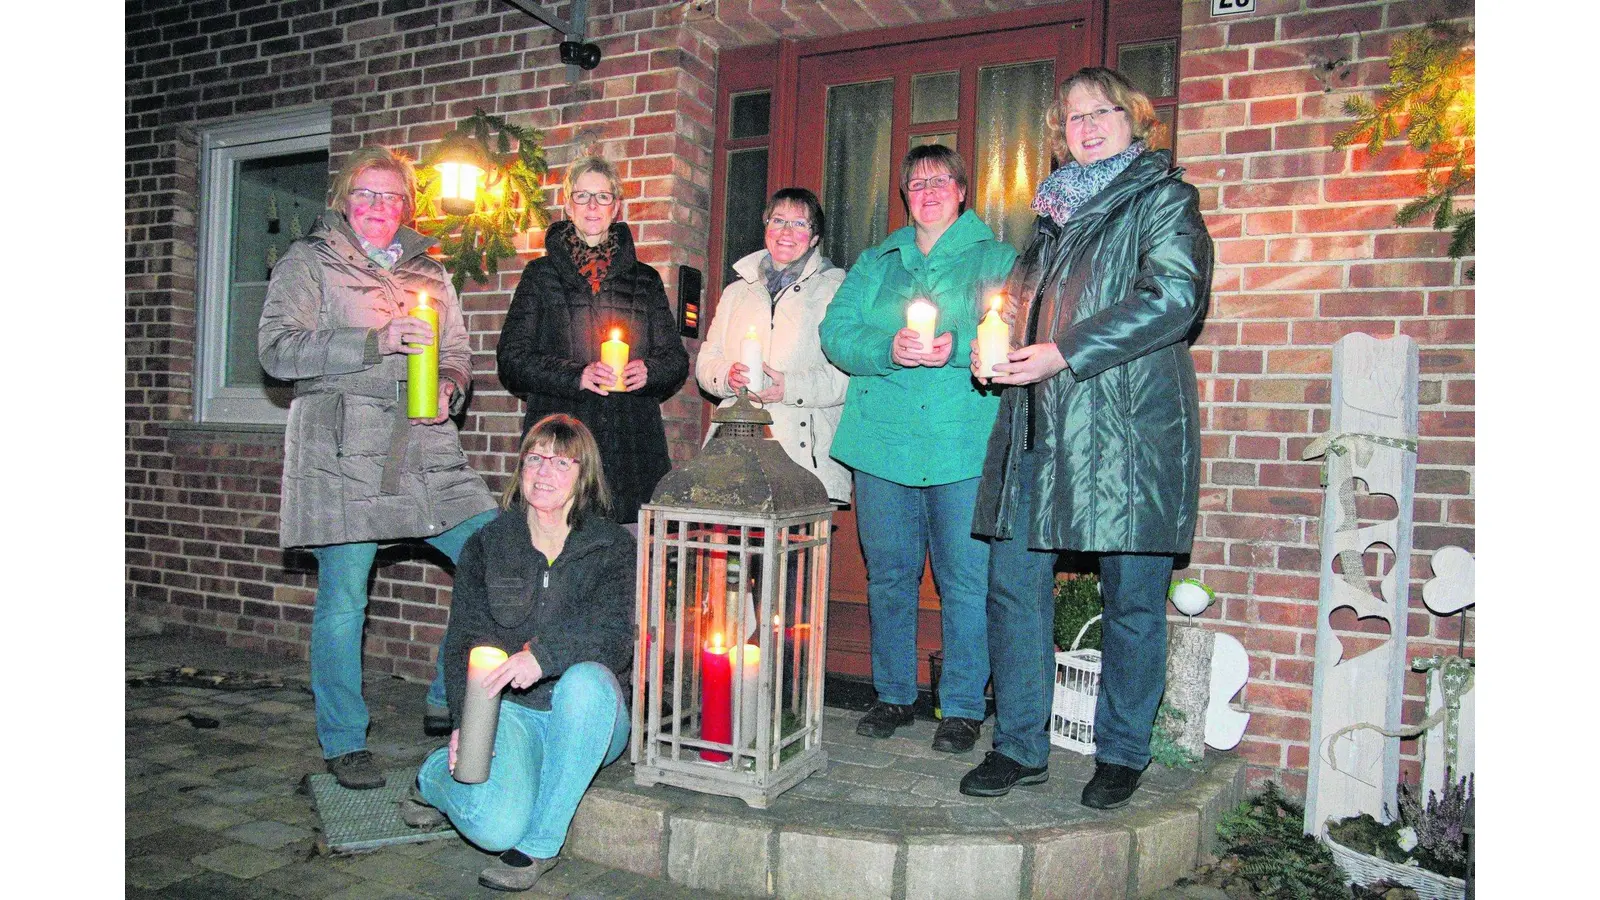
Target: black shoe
(1110,787)
(356,771)
(998,774)
(436,721)
(883,718)
(956,735)
(515,871)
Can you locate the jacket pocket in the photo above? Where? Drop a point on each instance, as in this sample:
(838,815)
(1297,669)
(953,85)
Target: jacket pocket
(510,600)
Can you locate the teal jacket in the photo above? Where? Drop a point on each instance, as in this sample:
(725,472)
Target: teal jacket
(915,426)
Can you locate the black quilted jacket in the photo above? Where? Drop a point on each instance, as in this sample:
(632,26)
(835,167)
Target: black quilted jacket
(555,328)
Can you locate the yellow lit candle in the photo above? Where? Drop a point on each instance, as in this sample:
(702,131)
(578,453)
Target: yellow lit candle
(614,353)
(994,340)
(922,317)
(422,369)
(750,355)
(480,717)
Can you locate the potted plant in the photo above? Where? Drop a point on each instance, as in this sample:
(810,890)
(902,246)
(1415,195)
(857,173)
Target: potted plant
(1424,848)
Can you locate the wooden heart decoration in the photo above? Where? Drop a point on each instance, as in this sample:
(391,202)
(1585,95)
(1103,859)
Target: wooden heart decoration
(1450,590)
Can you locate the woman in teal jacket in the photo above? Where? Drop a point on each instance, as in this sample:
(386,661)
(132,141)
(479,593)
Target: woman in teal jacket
(910,430)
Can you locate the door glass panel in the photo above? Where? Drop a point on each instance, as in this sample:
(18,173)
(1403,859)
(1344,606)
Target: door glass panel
(276,200)
(1152,66)
(935,98)
(1012,153)
(917,140)
(751,115)
(856,174)
(746,197)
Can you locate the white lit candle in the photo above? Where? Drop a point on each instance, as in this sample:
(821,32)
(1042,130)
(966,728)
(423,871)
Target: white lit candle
(747,659)
(922,317)
(750,355)
(480,717)
(994,340)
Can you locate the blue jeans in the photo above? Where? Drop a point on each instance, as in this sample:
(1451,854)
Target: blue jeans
(543,762)
(899,527)
(341,611)
(1133,658)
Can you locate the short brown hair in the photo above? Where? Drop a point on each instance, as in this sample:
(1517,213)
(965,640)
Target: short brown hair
(373,158)
(583,166)
(1116,87)
(934,155)
(567,437)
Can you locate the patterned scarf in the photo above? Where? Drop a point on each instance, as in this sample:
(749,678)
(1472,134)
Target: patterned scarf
(593,262)
(1072,185)
(778,279)
(383,256)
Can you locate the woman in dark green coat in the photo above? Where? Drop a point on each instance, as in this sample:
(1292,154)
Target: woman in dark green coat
(1097,445)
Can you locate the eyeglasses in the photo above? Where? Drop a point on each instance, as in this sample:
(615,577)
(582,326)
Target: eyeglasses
(936,183)
(600,198)
(1096,115)
(378,198)
(534,460)
(800,225)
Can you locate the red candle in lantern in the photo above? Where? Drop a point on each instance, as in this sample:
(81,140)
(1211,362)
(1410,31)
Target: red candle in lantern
(716,697)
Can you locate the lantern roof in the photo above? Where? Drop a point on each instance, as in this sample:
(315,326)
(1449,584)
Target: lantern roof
(740,471)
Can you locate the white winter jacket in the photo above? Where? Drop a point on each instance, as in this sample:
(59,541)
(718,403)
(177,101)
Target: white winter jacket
(813,396)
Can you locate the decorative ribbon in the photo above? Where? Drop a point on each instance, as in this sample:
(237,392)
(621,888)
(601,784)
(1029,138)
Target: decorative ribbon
(1455,675)
(1337,451)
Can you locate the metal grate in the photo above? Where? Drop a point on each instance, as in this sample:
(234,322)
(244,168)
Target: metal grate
(365,820)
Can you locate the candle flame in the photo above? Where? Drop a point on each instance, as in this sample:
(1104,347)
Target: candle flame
(486,657)
(716,642)
(751,333)
(616,334)
(422,299)
(994,304)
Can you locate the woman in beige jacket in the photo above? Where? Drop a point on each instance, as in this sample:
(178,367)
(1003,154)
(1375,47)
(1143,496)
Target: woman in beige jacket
(779,297)
(356,471)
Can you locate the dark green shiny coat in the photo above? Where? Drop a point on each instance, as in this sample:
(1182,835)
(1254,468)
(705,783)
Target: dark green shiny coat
(1119,428)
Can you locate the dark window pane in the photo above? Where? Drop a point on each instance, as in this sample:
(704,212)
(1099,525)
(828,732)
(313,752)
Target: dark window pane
(935,98)
(751,115)
(859,169)
(1013,153)
(1152,67)
(746,193)
(276,200)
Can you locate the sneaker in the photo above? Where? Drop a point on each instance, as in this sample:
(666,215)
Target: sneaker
(515,871)
(356,771)
(956,735)
(419,813)
(883,718)
(1111,786)
(436,721)
(998,774)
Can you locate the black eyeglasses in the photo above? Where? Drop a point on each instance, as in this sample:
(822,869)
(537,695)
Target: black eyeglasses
(378,198)
(1094,115)
(600,198)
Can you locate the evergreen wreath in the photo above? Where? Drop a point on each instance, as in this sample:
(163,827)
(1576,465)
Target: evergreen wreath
(512,201)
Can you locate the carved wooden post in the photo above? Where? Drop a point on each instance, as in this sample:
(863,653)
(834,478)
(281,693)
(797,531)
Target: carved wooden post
(1354,766)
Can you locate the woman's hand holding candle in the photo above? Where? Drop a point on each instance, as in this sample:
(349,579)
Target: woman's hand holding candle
(1029,365)
(520,670)
(597,377)
(907,349)
(404,334)
(447,389)
(773,392)
(634,375)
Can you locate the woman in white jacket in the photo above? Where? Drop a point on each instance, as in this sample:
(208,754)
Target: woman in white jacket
(779,299)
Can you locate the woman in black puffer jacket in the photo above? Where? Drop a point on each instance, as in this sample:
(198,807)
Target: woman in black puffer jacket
(568,302)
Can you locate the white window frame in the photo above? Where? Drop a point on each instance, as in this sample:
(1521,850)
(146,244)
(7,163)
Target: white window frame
(222,147)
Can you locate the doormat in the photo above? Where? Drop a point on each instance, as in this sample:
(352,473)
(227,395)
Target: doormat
(365,820)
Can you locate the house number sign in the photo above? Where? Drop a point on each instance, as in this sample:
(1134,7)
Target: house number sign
(1232,7)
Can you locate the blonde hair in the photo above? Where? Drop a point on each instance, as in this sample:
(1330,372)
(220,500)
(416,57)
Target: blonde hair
(567,437)
(584,166)
(1116,87)
(373,158)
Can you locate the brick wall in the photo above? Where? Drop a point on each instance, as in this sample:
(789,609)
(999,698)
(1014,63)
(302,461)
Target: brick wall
(1307,252)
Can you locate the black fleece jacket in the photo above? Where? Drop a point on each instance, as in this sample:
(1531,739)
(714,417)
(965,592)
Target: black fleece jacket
(577,609)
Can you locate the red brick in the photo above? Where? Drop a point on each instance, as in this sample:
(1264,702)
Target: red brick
(1220,226)
(1345,218)
(1367,304)
(1255,86)
(1251,32)
(1402,274)
(1250,140)
(1275,222)
(1260,334)
(1260,418)
(1271,112)
(1252,447)
(1370,187)
(1293,278)
(1200,90)
(1278,502)
(1239,252)
(1296,165)
(1305,249)
(1264,306)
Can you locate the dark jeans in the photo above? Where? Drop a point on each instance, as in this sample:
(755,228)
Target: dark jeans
(1133,667)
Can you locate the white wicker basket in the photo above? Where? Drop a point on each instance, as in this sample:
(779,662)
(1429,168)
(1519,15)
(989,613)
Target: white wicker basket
(1359,868)
(1077,687)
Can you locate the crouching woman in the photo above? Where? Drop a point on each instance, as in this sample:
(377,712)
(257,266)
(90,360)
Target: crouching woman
(550,582)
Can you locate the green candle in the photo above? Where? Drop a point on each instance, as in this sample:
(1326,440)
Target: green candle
(422,369)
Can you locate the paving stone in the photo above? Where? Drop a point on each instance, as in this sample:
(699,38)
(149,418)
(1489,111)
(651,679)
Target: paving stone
(725,855)
(154,870)
(367,890)
(268,835)
(210,817)
(620,831)
(316,878)
(241,860)
(1083,863)
(958,867)
(388,868)
(179,842)
(883,779)
(1165,847)
(823,866)
(156,715)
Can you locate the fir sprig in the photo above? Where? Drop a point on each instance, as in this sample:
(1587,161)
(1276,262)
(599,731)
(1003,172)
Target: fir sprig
(473,245)
(1276,855)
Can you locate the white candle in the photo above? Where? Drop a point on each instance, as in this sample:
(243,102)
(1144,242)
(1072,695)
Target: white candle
(480,717)
(922,317)
(994,340)
(750,355)
(747,659)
